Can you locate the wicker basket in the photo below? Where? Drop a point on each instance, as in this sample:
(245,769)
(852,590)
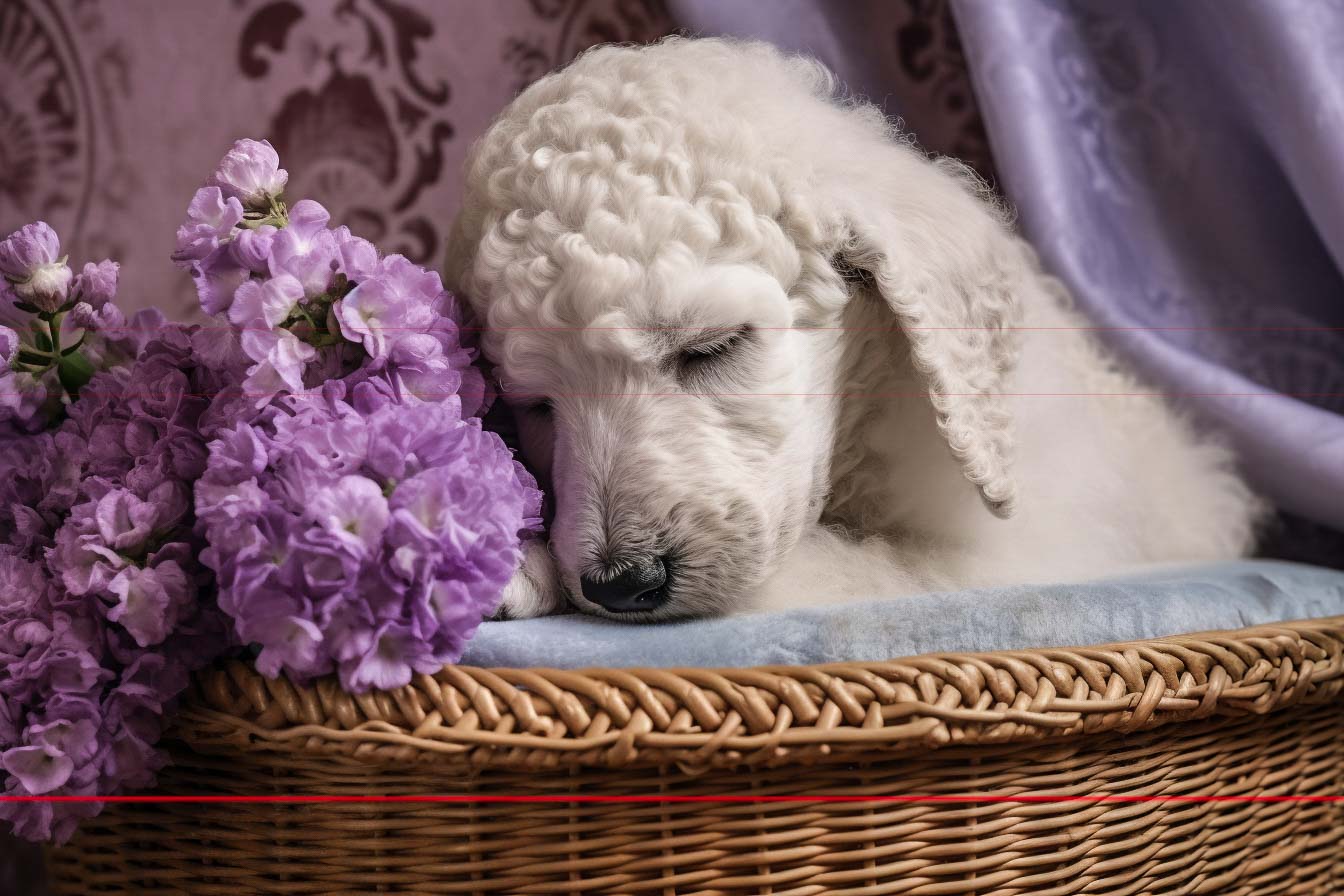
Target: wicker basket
(1250,712)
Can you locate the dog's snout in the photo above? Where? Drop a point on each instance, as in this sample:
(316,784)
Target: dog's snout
(638,586)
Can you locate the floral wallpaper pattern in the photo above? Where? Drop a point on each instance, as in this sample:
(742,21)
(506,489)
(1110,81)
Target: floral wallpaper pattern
(109,112)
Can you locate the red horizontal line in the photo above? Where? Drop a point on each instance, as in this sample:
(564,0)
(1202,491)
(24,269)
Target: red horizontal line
(715,798)
(1179,328)
(1265,394)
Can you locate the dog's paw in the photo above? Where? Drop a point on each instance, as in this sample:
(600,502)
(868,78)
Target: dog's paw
(535,588)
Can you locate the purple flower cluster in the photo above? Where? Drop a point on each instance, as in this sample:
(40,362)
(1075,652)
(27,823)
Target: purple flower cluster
(318,449)
(308,303)
(56,328)
(101,619)
(353,532)
(357,517)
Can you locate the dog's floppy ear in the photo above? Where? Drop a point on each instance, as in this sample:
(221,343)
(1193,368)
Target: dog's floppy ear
(949,269)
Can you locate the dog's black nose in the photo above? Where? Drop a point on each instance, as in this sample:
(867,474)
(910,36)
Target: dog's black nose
(638,586)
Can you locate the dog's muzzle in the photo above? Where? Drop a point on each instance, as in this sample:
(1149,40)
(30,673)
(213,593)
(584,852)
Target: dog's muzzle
(639,586)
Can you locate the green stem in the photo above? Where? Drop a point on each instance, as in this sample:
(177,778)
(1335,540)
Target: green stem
(54,328)
(308,317)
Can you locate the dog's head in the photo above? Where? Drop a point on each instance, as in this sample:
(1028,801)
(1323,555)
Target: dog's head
(662,244)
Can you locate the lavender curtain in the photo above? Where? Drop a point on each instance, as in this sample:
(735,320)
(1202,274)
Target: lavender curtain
(1179,165)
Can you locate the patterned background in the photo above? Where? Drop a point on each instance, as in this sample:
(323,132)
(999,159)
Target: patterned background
(112,113)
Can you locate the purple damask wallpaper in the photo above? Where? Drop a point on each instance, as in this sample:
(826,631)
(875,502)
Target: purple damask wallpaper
(110,112)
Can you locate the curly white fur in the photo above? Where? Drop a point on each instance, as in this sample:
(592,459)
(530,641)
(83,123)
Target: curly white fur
(903,364)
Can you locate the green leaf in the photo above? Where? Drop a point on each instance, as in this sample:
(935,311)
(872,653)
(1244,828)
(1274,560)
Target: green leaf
(41,340)
(74,371)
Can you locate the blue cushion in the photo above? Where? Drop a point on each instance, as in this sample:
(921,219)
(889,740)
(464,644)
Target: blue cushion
(1154,604)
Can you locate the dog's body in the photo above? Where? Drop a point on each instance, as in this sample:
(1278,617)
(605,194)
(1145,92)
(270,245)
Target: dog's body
(788,359)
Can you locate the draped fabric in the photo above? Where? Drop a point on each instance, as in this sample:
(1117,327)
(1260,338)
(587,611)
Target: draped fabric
(1179,165)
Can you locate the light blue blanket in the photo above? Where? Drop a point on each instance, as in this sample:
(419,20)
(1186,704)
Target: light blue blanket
(1170,602)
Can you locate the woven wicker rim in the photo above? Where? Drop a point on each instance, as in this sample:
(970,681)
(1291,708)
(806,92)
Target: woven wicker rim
(698,718)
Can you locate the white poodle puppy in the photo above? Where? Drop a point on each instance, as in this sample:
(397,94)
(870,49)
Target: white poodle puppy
(766,353)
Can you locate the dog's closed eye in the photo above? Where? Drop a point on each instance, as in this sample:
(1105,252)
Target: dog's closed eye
(709,352)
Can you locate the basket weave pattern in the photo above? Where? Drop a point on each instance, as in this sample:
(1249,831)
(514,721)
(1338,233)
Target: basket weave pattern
(1257,711)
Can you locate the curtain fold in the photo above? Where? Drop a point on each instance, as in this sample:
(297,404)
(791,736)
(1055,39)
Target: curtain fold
(1178,166)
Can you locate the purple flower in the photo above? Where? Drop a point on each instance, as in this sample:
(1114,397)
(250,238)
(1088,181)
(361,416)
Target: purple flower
(11,315)
(9,345)
(251,249)
(109,339)
(353,506)
(27,249)
(368,539)
(309,304)
(85,317)
(263,304)
(123,522)
(416,363)
(23,585)
(41,483)
(250,172)
(362,528)
(97,284)
(306,249)
(211,218)
(28,402)
(359,257)
(40,769)
(219,349)
(394,653)
(30,259)
(87,565)
(280,361)
(149,600)
(145,326)
(327,560)
(101,613)
(217,278)
(73,734)
(382,309)
(38,284)
(292,643)
(355,522)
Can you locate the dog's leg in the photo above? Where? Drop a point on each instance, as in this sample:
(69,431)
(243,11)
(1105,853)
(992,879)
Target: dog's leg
(535,588)
(828,567)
